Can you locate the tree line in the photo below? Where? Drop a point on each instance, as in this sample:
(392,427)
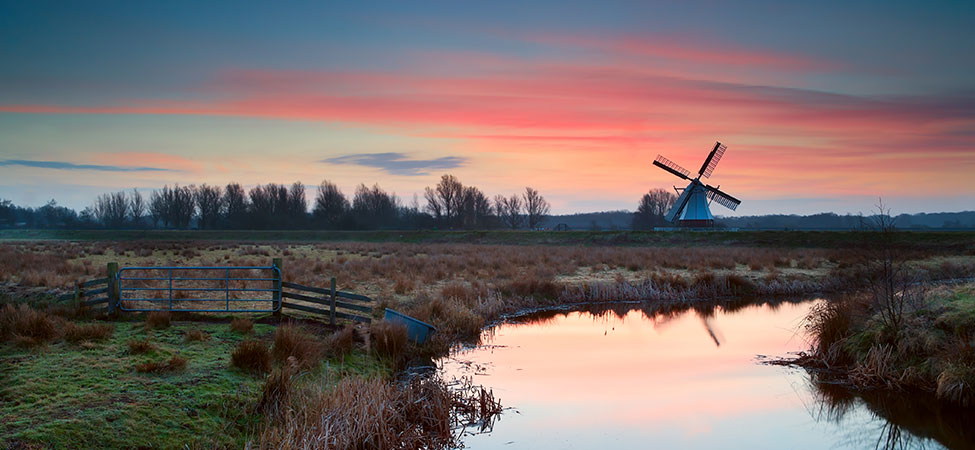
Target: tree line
(448,205)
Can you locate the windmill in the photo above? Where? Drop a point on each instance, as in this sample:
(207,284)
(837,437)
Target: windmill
(692,206)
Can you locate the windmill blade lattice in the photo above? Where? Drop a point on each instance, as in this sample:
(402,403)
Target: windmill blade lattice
(712,161)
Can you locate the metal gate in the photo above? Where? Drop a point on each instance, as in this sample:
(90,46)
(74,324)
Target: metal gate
(200,289)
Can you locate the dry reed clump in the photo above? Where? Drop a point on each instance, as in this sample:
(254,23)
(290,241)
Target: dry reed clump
(158,320)
(293,342)
(87,332)
(27,327)
(956,384)
(174,364)
(251,356)
(373,413)
(242,325)
(388,340)
(342,342)
(277,390)
(137,347)
(197,335)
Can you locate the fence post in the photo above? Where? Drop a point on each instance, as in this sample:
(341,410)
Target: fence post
(77,295)
(331,314)
(113,287)
(276,295)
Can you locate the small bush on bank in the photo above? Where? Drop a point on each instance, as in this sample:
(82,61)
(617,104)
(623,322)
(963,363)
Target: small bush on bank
(388,340)
(197,335)
(27,327)
(138,347)
(251,356)
(158,320)
(342,342)
(174,364)
(74,332)
(293,342)
(242,325)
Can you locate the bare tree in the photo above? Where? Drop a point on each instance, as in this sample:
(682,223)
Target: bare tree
(235,205)
(508,210)
(536,208)
(209,201)
(434,206)
(297,205)
(330,205)
(450,191)
(474,208)
(137,207)
(654,205)
(895,287)
(112,209)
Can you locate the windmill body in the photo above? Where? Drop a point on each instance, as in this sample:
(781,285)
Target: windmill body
(692,208)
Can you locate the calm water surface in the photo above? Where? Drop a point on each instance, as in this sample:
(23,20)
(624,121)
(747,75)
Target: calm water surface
(681,380)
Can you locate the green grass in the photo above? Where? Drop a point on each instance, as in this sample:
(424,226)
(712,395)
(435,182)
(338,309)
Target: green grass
(90,396)
(785,239)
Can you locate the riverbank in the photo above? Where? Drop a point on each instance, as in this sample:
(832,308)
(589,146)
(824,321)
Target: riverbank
(930,347)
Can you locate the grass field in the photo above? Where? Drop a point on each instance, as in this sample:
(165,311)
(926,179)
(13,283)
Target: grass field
(63,393)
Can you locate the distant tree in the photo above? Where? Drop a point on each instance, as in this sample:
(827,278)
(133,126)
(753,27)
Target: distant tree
(652,209)
(373,207)
(112,209)
(235,205)
(8,213)
(209,202)
(296,207)
(434,206)
(508,210)
(330,205)
(137,208)
(474,208)
(449,192)
(536,208)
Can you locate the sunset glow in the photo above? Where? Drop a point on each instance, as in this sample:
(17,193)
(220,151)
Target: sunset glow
(575,102)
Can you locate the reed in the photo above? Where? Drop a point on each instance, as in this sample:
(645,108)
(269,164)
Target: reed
(251,356)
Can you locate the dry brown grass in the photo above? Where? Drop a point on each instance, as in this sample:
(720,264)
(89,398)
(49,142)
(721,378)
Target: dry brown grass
(174,364)
(158,320)
(343,342)
(291,341)
(388,340)
(251,356)
(196,335)
(242,325)
(138,347)
(74,332)
(28,327)
(374,414)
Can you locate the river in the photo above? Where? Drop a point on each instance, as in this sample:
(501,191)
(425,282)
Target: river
(625,378)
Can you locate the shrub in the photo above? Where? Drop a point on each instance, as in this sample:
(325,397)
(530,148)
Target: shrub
(87,332)
(251,356)
(197,335)
(159,320)
(26,326)
(291,341)
(342,342)
(139,347)
(388,339)
(242,325)
(174,364)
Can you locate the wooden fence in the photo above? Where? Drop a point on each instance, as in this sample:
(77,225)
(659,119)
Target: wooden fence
(326,302)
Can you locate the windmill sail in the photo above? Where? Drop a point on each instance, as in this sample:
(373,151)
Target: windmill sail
(722,199)
(671,167)
(712,161)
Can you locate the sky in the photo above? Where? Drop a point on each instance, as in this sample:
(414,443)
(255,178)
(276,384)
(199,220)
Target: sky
(824,106)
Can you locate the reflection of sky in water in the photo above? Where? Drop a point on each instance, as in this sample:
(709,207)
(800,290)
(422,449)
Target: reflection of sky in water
(579,381)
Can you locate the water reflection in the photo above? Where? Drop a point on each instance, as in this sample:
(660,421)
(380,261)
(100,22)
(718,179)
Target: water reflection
(625,377)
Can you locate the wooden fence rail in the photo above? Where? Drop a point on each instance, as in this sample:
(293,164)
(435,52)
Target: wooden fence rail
(85,292)
(330,299)
(335,304)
